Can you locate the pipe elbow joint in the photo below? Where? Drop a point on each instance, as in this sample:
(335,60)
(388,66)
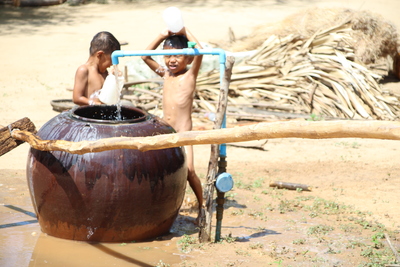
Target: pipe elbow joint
(115,55)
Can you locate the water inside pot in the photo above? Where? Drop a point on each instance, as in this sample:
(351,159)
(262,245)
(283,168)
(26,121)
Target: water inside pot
(108,114)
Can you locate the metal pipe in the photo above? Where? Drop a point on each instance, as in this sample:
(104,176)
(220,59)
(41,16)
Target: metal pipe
(222,164)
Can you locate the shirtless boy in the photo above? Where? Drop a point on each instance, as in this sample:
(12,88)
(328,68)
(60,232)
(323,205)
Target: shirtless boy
(90,76)
(178,91)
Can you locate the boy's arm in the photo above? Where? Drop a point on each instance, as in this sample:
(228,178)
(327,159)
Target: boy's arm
(152,46)
(81,82)
(197,59)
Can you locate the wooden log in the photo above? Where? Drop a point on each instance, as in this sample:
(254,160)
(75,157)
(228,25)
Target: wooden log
(7,141)
(388,130)
(290,186)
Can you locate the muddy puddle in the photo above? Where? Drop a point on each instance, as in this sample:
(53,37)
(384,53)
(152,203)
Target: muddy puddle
(23,244)
(51,251)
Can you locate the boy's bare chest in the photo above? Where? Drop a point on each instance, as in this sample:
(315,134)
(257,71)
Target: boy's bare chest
(179,85)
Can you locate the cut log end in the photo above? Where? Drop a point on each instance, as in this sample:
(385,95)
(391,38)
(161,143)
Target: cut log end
(7,142)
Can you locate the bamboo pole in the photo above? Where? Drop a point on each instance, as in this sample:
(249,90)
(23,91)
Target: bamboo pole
(371,129)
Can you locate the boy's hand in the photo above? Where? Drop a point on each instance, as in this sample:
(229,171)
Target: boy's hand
(165,33)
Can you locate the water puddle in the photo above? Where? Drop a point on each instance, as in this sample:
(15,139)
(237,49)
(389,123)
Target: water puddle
(52,251)
(22,243)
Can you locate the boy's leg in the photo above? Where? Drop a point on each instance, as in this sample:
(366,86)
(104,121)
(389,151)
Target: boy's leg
(193,179)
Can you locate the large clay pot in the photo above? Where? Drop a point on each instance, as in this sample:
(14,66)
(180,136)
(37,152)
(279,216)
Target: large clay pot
(110,196)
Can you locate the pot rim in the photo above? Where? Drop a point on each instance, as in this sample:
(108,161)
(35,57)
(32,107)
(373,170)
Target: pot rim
(143,117)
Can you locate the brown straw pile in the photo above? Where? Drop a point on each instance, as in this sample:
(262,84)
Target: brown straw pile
(322,61)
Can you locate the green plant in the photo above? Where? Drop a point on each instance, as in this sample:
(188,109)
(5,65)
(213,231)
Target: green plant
(258,183)
(255,214)
(288,206)
(237,212)
(162,264)
(230,239)
(320,229)
(185,243)
(256,245)
(376,239)
(299,241)
(348,228)
(315,117)
(299,190)
(242,252)
(353,244)
(377,257)
(304,198)
(355,145)
(332,251)
(230,195)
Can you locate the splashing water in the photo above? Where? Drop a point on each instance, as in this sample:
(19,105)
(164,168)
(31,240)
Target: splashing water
(116,72)
(93,97)
(90,232)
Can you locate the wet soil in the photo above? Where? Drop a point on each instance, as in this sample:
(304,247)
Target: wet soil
(354,198)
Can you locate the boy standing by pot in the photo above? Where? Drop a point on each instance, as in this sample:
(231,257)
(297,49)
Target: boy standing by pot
(178,90)
(90,76)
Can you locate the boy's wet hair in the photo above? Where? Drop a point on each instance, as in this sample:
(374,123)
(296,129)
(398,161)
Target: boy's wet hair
(176,41)
(104,41)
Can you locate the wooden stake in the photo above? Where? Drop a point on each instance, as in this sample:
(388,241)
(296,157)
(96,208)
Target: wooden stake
(207,211)
(7,141)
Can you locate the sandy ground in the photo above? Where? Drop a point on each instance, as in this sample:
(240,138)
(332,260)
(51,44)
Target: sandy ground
(40,51)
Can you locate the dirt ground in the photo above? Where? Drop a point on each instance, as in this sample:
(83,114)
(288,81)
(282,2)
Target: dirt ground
(355,183)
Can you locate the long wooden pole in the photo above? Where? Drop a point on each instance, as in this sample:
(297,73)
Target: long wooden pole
(388,130)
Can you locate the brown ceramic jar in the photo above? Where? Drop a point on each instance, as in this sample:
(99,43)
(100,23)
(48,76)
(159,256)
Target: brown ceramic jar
(110,196)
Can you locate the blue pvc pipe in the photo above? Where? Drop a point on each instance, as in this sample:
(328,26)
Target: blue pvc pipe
(186,51)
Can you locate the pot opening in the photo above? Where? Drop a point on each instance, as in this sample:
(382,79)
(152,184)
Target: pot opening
(108,114)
